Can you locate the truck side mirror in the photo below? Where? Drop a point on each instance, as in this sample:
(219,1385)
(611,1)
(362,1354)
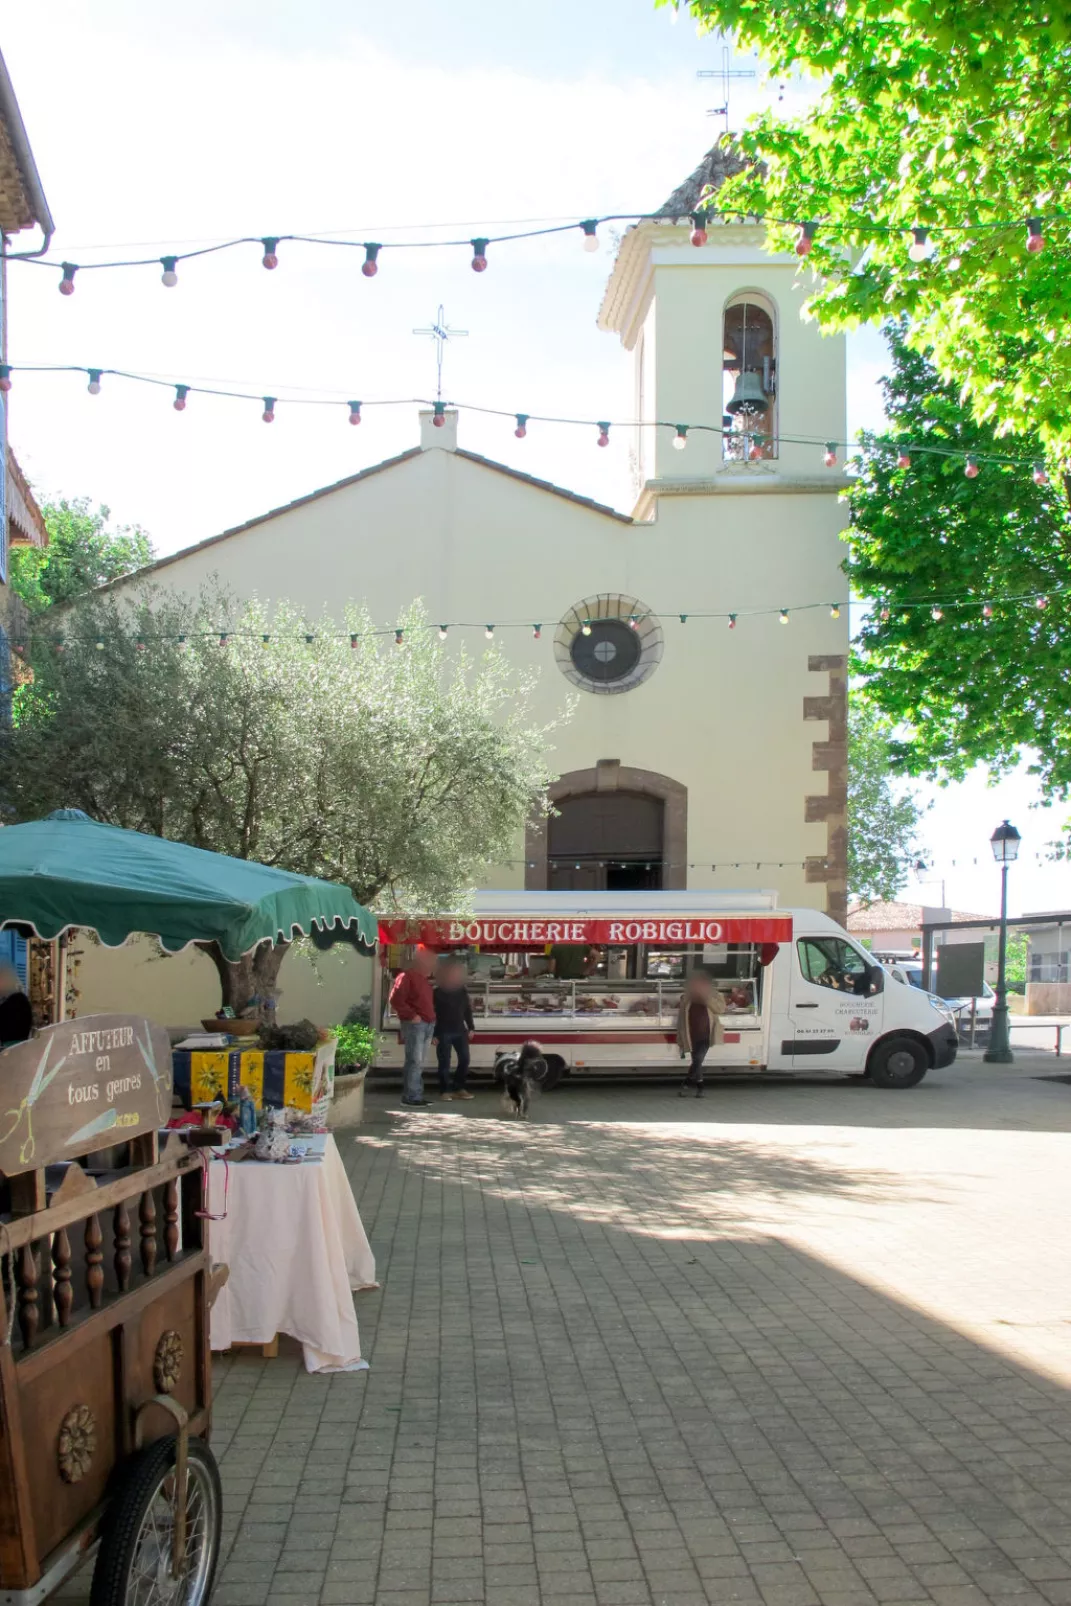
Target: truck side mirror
(877,980)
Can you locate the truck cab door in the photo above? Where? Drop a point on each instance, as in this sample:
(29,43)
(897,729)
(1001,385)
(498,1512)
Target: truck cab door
(835,1004)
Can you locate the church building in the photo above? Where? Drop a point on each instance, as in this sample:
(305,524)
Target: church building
(703,752)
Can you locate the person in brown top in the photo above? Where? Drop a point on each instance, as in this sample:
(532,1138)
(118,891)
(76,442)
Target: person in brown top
(698,1026)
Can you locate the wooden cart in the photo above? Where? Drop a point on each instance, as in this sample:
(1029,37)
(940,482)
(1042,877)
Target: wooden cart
(105,1283)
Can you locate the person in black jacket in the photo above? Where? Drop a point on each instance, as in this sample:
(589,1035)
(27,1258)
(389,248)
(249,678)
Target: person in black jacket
(16,1016)
(453,1023)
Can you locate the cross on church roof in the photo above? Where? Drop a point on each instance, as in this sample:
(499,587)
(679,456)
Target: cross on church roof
(440,332)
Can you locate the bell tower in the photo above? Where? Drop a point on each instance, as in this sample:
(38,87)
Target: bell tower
(736,396)
(720,349)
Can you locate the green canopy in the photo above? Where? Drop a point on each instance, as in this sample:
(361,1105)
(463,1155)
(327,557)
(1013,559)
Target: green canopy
(68,870)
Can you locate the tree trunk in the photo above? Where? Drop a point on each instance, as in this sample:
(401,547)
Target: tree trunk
(254,976)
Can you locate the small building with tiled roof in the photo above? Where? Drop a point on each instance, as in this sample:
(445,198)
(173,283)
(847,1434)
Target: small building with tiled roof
(898,926)
(697,755)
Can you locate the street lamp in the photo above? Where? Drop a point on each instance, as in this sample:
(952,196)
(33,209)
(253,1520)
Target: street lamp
(1005,844)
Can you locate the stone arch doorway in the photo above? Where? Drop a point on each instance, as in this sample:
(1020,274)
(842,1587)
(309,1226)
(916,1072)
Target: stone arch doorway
(617,828)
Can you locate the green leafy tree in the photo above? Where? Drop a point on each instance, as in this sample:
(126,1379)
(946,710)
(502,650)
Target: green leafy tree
(986,679)
(939,115)
(882,820)
(82,553)
(401,771)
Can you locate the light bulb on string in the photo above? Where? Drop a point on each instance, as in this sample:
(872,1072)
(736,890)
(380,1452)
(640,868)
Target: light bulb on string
(755,447)
(884,616)
(830,456)
(782,617)
(683,618)
(442,632)
(522,426)
(834,610)
(179,403)
(590,241)
(181,643)
(1035,238)
(585,628)
(355,412)
(732,621)
(66,284)
(399,636)
(680,439)
(489,632)
(805,239)
(921,247)
(439,414)
(309,638)
(1041,602)
(937,613)
(479,255)
(139,645)
(265,640)
(970,468)
(987,610)
(5,378)
(223,638)
(271,246)
(169,277)
(1040,474)
(604,435)
(354,639)
(370,267)
(99,644)
(537,631)
(698,235)
(268,415)
(633,622)
(94,380)
(903,458)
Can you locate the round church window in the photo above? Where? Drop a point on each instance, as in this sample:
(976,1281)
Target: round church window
(608,643)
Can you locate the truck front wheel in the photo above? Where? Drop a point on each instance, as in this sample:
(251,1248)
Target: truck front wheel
(898,1062)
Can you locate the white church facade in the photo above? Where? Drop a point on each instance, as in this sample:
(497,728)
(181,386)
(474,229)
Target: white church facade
(699,755)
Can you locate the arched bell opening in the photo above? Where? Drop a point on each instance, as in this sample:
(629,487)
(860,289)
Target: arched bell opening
(749,379)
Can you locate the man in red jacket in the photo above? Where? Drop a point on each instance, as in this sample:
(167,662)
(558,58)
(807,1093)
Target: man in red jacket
(412,1002)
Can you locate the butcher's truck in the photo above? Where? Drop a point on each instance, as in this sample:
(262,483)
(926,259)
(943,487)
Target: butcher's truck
(596,978)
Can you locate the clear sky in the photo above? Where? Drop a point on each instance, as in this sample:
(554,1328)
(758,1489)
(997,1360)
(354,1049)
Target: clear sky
(156,127)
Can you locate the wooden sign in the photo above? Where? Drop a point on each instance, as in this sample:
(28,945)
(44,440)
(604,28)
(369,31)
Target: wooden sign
(79,1086)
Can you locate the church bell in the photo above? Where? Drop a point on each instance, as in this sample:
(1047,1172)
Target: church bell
(749,396)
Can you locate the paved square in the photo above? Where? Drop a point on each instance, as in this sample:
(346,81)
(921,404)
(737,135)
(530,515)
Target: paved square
(793,1344)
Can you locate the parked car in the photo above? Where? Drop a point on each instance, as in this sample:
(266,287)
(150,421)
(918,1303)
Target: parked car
(909,974)
(983,1013)
(958,1010)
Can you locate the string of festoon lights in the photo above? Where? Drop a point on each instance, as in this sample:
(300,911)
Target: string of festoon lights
(753,444)
(492,630)
(922,240)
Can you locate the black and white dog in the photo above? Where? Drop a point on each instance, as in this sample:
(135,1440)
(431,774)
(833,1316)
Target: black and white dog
(521,1074)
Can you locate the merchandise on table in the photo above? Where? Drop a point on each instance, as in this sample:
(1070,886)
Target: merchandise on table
(276,1078)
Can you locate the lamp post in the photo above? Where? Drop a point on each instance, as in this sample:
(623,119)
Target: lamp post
(1005,845)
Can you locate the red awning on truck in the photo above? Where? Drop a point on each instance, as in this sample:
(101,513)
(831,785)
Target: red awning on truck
(509,935)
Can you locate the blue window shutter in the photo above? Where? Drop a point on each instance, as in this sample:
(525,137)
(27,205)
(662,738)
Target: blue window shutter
(14,950)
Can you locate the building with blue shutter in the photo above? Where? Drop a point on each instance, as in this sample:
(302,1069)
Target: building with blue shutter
(22,207)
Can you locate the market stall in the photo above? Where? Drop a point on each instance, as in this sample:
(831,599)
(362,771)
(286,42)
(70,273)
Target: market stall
(297,1251)
(105,1382)
(597,978)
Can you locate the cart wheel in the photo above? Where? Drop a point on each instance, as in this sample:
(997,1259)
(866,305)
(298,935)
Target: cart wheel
(134,1564)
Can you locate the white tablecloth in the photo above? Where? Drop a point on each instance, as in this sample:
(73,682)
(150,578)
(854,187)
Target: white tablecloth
(293,1239)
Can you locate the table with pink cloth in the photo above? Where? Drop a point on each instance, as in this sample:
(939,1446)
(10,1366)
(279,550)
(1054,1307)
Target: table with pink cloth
(293,1239)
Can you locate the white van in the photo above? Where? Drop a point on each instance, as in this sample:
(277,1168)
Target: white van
(596,978)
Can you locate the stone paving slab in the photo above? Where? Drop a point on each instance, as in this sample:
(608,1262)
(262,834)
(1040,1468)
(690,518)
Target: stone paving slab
(792,1345)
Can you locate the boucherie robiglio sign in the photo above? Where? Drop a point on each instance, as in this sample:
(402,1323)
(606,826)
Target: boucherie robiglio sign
(505,934)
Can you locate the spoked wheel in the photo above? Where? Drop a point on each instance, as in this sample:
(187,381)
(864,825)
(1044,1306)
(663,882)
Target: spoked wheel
(899,1062)
(134,1567)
